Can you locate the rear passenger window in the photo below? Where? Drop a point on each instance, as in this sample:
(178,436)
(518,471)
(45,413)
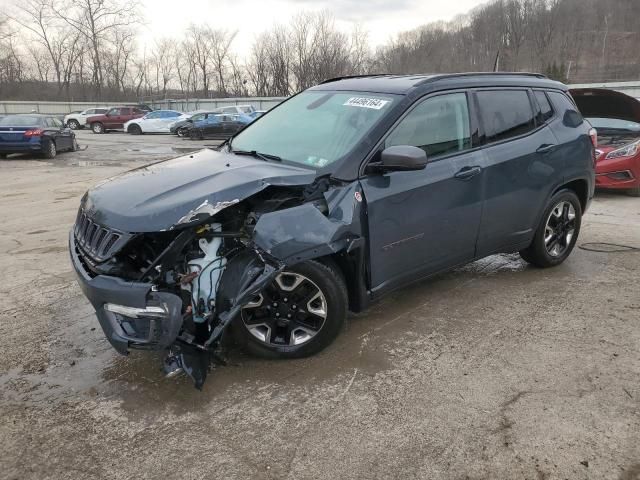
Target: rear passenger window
(505,114)
(439,125)
(564,104)
(545,111)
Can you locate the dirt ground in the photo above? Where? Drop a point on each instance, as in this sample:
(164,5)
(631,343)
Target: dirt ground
(493,371)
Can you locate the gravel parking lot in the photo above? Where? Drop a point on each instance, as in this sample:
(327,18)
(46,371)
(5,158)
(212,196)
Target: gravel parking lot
(495,370)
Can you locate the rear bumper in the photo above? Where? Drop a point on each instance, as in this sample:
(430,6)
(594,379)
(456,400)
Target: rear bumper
(20,147)
(124,332)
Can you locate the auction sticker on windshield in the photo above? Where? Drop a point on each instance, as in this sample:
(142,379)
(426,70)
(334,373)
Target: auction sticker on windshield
(364,102)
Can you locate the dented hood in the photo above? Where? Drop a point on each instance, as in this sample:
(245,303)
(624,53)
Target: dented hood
(604,103)
(156,197)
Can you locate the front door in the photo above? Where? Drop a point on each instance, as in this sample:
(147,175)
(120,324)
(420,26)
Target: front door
(112,119)
(421,222)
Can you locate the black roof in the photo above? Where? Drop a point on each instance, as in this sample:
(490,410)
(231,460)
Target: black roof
(403,84)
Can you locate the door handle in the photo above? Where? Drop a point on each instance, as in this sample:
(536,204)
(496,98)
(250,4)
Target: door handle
(546,148)
(467,172)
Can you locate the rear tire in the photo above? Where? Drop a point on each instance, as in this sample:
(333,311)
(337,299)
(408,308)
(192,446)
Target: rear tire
(50,150)
(134,129)
(557,233)
(97,127)
(3,156)
(315,322)
(73,124)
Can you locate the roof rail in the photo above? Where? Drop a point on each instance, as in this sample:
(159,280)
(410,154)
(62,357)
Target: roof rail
(345,77)
(474,74)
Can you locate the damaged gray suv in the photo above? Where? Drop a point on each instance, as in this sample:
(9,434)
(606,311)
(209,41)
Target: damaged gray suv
(342,193)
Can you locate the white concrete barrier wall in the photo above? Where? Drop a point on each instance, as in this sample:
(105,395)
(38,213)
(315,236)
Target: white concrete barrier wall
(62,108)
(260,103)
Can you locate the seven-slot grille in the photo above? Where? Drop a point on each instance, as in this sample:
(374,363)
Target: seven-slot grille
(95,240)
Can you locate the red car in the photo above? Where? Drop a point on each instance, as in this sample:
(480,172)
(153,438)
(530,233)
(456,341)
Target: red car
(114,119)
(616,117)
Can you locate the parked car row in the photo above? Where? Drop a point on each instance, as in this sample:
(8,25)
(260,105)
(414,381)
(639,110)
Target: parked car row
(139,119)
(79,119)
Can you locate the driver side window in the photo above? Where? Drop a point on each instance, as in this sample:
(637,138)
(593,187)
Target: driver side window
(439,126)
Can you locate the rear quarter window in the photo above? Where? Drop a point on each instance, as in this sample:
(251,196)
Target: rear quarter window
(567,109)
(505,114)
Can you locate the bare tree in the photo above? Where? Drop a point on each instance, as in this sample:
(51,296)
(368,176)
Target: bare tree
(98,21)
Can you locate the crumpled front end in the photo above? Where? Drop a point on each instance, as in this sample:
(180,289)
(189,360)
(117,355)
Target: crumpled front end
(181,288)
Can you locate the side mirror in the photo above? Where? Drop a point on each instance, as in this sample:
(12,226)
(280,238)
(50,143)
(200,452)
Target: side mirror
(403,158)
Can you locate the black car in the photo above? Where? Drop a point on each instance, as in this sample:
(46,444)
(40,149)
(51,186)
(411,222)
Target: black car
(341,194)
(218,126)
(182,127)
(35,133)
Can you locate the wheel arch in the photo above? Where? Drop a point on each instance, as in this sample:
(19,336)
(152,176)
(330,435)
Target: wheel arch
(580,187)
(351,266)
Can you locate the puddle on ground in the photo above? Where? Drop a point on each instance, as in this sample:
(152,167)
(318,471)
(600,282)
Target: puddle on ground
(94,163)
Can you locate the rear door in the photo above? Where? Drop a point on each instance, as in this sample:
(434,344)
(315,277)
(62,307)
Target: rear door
(214,125)
(424,221)
(521,168)
(62,135)
(126,114)
(167,119)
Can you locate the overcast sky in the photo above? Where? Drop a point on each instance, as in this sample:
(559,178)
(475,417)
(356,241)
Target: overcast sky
(382,18)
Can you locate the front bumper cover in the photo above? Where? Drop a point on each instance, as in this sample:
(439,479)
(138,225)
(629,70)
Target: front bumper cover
(152,333)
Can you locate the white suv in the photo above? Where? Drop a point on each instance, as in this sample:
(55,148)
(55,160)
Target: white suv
(237,109)
(78,120)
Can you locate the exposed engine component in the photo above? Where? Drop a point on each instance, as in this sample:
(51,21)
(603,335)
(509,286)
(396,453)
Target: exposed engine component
(208,271)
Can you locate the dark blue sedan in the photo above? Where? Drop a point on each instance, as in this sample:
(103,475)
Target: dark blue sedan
(34,133)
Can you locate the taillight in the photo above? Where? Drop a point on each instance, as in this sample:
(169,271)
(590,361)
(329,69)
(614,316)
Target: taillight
(33,133)
(593,133)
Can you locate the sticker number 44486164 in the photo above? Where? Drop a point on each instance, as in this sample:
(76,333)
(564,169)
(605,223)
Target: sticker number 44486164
(364,102)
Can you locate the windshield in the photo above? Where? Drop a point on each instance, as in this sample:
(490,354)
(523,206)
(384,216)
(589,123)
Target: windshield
(614,124)
(20,121)
(315,128)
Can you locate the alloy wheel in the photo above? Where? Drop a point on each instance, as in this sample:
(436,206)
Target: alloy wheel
(560,228)
(289,312)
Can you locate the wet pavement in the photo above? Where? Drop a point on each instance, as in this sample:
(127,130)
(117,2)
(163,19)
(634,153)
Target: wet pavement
(494,370)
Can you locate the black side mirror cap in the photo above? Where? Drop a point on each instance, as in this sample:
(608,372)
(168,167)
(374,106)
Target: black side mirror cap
(403,158)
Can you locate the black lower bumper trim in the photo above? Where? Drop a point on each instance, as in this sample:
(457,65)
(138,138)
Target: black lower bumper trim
(123,332)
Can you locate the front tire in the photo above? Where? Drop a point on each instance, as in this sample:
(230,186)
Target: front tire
(297,315)
(97,127)
(134,129)
(557,233)
(73,124)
